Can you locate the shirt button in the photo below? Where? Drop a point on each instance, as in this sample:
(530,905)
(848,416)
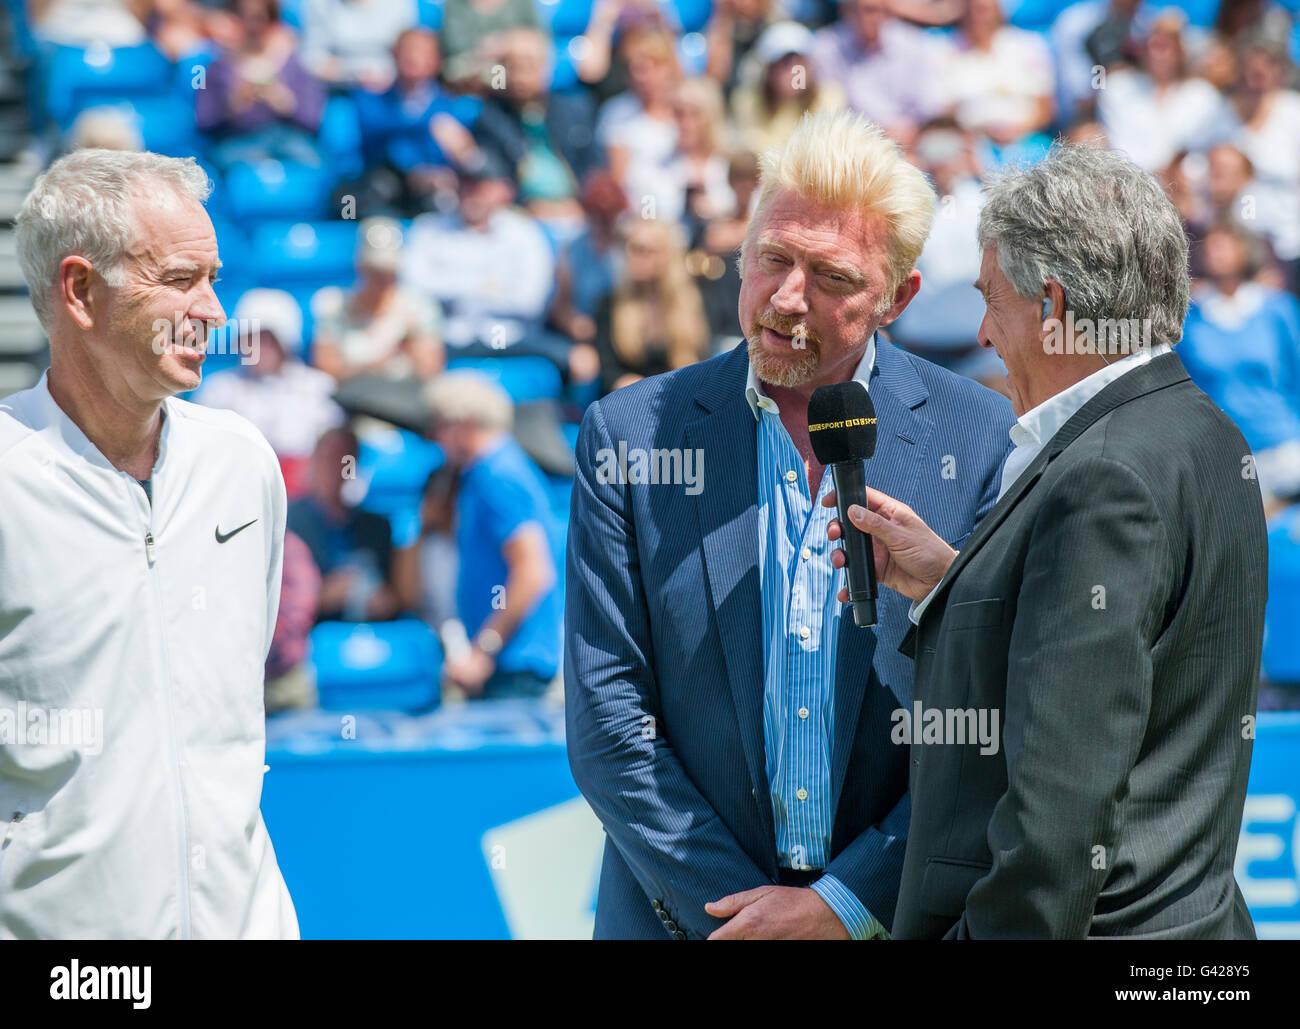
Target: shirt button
(804,632)
(802,794)
(803,712)
(805,553)
(791,475)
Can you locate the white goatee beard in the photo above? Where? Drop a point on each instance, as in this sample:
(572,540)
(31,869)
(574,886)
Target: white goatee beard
(785,373)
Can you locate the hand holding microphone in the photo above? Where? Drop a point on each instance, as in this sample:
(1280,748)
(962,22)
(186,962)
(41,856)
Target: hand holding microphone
(889,536)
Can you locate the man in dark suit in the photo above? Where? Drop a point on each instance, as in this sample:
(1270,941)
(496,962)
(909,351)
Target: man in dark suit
(1105,619)
(724,721)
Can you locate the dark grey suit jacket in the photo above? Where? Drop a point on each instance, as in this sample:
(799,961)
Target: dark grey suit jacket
(1110,611)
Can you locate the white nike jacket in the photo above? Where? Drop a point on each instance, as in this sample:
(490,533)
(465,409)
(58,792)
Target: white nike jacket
(132,643)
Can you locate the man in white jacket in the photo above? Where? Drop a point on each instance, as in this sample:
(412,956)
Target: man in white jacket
(140,549)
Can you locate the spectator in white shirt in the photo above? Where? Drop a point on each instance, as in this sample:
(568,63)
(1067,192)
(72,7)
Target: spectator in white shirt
(380,327)
(1157,109)
(636,129)
(998,80)
(291,404)
(350,42)
(488,264)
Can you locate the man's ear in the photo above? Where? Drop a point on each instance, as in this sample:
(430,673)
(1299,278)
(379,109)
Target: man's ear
(72,289)
(906,292)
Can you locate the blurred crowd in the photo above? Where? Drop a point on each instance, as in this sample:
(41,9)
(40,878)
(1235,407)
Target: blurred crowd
(579,198)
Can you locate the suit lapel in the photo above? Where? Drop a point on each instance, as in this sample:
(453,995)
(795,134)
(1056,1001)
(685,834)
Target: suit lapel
(897,393)
(729,528)
(1159,372)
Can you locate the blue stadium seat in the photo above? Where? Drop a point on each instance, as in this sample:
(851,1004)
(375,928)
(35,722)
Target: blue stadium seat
(429,13)
(566,17)
(1282,616)
(165,123)
(79,78)
(564,72)
(395,466)
(284,190)
(692,15)
(524,378)
(304,253)
(340,137)
(376,665)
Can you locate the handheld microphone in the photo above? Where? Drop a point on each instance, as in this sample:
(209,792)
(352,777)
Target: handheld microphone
(842,428)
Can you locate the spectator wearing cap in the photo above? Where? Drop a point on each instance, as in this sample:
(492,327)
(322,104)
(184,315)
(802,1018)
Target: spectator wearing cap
(352,548)
(349,43)
(289,402)
(413,132)
(1153,111)
(507,592)
(783,84)
(380,327)
(998,81)
(1241,345)
(259,101)
(889,70)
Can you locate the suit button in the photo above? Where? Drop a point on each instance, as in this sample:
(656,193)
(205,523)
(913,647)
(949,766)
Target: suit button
(656,905)
(663,915)
(679,935)
(671,926)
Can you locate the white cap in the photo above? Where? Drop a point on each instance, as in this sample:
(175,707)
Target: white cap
(785,37)
(276,312)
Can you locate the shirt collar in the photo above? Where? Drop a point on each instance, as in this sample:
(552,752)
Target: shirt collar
(52,419)
(760,401)
(1041,423)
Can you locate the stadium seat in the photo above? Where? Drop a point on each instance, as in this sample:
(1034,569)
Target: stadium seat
(524,378)
(305,253)
(1282,616)
(566,18)
(429,13)
(79,78)
(564,69)
(691,15)
(395,466)
(165,123)
(340,137)
(376,665)
(271,190)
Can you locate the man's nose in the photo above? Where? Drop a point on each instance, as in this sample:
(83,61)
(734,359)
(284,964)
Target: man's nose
(790,299)
(207,308)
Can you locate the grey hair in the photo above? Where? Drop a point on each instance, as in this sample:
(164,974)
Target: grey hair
(83,204)
(469,396)
(1101,227)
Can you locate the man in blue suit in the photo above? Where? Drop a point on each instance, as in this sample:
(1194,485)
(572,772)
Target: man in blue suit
(725,721)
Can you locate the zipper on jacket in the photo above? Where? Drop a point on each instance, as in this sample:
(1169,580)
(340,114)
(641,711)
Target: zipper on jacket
(151,554)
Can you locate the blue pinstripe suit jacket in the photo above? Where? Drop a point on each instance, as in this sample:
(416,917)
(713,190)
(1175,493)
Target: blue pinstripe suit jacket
(663,653)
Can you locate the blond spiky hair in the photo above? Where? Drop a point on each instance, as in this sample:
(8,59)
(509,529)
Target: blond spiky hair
(846,161)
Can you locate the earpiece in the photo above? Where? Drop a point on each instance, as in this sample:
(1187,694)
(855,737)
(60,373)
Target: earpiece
(1047,307)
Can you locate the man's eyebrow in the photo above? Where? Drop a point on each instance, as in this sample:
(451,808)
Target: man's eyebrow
(840,268)
(978,284)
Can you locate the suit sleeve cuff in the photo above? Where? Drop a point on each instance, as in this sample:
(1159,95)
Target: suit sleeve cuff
(861,923)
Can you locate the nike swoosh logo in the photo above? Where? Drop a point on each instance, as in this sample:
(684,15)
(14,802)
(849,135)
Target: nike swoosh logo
(233,532)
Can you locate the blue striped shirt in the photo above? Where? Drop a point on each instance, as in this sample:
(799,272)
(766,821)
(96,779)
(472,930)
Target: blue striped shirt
(801,619)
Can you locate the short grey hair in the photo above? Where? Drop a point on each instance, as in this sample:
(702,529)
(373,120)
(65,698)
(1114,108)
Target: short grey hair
(1101,227)
(469,396)
(83,204)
